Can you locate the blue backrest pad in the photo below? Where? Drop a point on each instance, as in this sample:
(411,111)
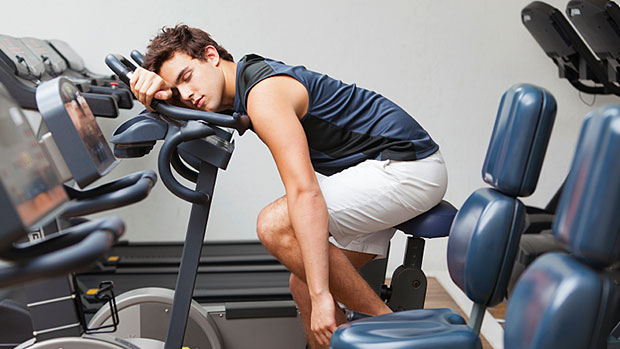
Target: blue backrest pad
(519,139)
(483,243)
(555,305)
(588,216)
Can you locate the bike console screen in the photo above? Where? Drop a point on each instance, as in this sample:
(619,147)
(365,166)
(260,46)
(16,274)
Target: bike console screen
(25,172)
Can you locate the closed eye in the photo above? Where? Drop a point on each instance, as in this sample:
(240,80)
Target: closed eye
(187,77)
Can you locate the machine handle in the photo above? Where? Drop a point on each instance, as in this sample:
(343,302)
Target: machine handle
(60,262)
(137,57)
(182,169)
(190,131)
(67,251)
(122,192)
(103,106)
(63,239)
(122,67)
(123,96)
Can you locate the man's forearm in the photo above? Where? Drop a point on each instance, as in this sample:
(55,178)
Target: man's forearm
(309,219)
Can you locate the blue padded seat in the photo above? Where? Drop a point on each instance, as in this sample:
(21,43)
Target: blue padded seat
(433,223)
(434,328)
(408,287)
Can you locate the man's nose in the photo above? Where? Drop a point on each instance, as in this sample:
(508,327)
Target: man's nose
(186,93)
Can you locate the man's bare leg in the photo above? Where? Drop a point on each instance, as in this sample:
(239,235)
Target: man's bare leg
(346,285)
(300,292)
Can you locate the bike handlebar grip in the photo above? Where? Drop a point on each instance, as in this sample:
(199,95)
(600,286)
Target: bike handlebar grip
(60,262)
(137,57)
(239,122)
(123,192)
(64,238)
(192,130)
(113,186)
(121,66)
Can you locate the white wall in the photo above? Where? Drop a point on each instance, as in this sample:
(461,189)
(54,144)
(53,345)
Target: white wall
(446,62)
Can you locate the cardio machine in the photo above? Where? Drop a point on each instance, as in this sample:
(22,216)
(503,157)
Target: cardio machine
(30,194)
(258,301)
(57,320)
(76,66)
(148,257)
(22,70)
(408,282)
(56,65)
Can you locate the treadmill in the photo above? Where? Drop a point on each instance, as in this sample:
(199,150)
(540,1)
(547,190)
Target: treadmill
(56,65)
(22,70)
(77,67)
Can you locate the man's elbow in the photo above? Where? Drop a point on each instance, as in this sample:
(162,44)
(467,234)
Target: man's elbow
(310,193)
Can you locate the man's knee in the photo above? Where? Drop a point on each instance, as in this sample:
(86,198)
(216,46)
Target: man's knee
(273,225)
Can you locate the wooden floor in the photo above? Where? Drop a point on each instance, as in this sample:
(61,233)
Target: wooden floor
(437,297)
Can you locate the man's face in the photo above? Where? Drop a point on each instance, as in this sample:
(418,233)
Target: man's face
(200,83)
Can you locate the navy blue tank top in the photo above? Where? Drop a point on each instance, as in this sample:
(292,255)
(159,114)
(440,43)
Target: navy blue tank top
(344,124)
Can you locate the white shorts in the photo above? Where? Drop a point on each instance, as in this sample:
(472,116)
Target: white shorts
(366,201)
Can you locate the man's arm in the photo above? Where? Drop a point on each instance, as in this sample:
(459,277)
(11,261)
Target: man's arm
(275,106)
(147,85)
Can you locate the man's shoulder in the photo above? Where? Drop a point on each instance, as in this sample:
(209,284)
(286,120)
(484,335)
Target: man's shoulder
(251,58)
(254,68)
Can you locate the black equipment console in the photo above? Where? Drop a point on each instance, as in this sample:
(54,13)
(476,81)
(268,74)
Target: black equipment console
(598,21)
(564,46)
(68,116)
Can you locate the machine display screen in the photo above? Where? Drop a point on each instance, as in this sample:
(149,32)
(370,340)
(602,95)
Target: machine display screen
(88,129)
(26,174)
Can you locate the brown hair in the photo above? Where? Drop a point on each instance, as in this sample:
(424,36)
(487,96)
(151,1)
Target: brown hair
(180,38)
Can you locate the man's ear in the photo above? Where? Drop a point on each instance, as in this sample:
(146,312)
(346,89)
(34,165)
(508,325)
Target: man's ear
(211,55)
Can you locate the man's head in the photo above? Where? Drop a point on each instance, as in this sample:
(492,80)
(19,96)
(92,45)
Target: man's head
(181,38)
(195,66)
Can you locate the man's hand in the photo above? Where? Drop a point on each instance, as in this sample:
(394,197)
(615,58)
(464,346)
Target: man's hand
(147,85)
(323,318)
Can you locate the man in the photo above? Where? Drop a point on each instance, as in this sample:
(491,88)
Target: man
(382,167)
